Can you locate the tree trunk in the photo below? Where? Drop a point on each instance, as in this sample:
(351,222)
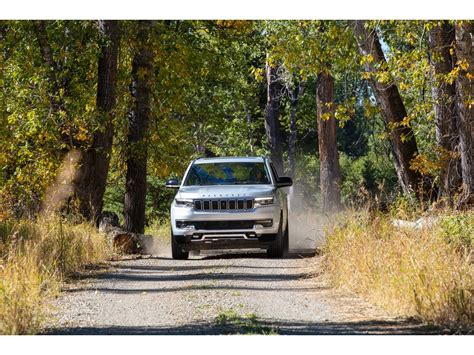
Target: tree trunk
(441,39)
(465,106)
(95,165)
(402,139)
(294,95)
(39,28)
(135,188)
(330,174)
(272,116)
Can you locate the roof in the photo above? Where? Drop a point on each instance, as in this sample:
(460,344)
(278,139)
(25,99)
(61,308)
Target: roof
(229,159)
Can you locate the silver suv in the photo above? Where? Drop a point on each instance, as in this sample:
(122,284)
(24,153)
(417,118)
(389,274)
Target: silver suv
(230,203)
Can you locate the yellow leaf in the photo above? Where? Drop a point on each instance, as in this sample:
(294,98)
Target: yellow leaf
(463,64)
(406,121)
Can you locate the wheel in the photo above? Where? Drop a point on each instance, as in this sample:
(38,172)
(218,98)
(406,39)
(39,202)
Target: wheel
(276,249)
(176,251)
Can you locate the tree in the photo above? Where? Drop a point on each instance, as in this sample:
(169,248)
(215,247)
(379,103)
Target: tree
(330,175)
(90,187)
(136,160)
(402,140)
(464,90)
(272,115)
(441,40)
(294,93)
(57,87)
(52,66)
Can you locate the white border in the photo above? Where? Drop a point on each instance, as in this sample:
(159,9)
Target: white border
(236,9)
(229,345)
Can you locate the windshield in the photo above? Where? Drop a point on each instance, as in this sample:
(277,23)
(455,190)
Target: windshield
(227,174)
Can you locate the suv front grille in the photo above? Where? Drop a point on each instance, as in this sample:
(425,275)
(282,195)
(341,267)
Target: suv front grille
(223,205)
(216,225)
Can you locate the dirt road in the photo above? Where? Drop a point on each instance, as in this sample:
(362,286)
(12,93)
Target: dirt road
(217,294)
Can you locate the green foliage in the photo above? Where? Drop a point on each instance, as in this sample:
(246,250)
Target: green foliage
(366,178)
(158,199)
(458,230)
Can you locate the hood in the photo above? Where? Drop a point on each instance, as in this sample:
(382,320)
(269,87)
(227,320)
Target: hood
(225,191)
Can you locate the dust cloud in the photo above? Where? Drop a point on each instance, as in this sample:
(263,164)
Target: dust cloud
(306,227)
(156,246)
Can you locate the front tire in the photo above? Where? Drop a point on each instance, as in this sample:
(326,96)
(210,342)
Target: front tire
(278,246)
(177,252)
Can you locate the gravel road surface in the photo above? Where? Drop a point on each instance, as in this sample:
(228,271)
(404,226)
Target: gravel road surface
(217,294)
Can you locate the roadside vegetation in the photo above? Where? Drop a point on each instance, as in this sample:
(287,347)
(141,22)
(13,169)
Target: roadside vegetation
(425,272)
(35,258)
(248,324)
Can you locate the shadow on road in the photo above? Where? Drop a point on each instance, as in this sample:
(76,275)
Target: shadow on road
(407,327)
(293,254)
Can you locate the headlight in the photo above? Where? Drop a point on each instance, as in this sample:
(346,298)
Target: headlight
(263,201)
(183,202)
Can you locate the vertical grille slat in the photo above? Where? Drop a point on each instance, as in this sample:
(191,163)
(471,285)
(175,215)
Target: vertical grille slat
(223,204)
(249,204)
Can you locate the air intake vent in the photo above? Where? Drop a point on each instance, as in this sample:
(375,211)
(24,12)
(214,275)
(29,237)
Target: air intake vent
(223,205)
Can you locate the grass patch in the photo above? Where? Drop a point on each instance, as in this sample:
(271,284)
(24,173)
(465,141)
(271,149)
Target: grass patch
(35,257)
(247,324)
(426,273)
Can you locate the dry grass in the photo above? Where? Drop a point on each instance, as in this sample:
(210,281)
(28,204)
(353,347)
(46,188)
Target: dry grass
(34,259)
(160,231)
(410,272)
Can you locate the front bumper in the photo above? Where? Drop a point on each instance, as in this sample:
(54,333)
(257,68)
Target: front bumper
(224,241)
(189,215)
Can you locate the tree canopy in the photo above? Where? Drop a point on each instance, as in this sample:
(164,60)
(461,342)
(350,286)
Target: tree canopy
(208,96)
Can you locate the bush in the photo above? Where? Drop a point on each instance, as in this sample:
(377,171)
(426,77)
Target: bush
(409,272)
(458,230)
(34,258)
(365,178)
(158,199)
(405,206)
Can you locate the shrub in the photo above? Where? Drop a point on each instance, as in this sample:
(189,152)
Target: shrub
(365,178)
(34,258)
(458,230)
(408,272)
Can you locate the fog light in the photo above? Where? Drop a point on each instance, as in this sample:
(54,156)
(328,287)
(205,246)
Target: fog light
(265,222)
(183,224)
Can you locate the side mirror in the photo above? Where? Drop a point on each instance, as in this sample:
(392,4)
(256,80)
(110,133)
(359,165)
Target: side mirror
(172,183)
(284,181)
